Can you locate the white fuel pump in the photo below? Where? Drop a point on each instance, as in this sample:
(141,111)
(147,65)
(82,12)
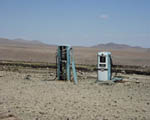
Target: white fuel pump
(104,63)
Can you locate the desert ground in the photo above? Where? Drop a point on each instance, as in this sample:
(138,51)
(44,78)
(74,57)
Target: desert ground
(83,55)
(32,94)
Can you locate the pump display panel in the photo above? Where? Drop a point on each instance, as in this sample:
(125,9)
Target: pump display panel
(102,59)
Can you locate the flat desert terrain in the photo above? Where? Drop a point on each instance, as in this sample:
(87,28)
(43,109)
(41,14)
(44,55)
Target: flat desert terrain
(83,55)
(31,94)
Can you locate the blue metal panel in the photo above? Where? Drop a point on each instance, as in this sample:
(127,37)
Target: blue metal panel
(109,67)
(68,63)
(58,63)
(74,69)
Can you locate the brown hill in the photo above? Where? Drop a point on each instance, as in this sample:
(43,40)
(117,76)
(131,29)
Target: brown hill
(19,42)
(115,46)
(148,49)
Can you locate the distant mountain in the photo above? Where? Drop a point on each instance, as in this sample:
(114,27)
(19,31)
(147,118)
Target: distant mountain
(20,41)
(148,49)
(28,41)
(114,46)
(5,41)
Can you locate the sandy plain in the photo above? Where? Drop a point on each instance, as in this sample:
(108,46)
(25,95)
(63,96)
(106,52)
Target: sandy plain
(83,55)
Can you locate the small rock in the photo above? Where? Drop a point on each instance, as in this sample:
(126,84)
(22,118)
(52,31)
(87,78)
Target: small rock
(147,103)
(41,113)
(36,118)
(67,118)
(136,110)
(51,74)
(9,111)
(143,110)
(28,77)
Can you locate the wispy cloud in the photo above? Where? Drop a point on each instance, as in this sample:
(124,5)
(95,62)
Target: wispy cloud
(103,16)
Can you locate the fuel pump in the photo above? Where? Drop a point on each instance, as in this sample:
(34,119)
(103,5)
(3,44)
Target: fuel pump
(104,65)
(65,58)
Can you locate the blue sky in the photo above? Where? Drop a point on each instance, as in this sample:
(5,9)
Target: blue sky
(77,22)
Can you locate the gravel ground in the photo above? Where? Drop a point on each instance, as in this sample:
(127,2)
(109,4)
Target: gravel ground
(30,96)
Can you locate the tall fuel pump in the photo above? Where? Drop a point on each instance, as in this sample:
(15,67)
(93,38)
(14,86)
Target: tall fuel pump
(104,68)
(104,65)
(64,60)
